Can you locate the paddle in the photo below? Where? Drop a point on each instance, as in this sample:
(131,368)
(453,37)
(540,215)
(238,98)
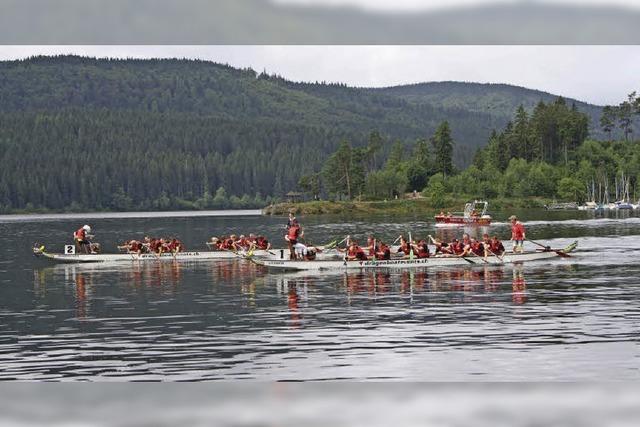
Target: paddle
(495,255)
(467,259)
(331,244)
(548,249)
(478,256)
(410,247)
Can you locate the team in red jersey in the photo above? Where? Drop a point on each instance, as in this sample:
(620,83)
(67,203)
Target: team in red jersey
(152,245)
(237,244)
(375,249)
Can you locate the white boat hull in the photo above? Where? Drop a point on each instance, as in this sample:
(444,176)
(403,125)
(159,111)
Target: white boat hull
(438,261)
(119,258)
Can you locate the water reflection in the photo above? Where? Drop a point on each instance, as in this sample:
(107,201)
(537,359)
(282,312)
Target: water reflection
(519,285)
(473,281)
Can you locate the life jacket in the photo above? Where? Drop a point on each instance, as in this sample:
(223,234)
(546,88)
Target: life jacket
(405,248)
(383,252)
(477,248)
(262,243)
(423,251)
(155,245)
(457,247)
(517,231)
(175,245)
(356,252)
(80,234)
(497,247)
(293,232)
(227,244)
(135,246)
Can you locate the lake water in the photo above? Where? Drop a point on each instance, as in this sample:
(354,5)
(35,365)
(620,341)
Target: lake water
(566,319)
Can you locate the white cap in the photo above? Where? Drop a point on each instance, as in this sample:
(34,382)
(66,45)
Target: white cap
(86,228)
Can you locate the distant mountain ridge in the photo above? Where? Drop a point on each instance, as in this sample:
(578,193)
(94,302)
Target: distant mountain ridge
(495,98)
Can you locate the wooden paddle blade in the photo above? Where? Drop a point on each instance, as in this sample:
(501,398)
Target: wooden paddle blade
(563,254)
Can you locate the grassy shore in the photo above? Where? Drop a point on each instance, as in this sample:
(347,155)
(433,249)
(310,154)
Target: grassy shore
(396,207)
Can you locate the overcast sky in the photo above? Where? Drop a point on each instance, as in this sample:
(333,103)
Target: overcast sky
(595,74)
(404,5)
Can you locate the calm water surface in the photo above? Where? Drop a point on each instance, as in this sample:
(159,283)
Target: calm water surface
(568,319)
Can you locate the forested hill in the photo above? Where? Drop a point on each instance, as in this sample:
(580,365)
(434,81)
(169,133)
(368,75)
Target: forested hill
(154,134)
(499,100)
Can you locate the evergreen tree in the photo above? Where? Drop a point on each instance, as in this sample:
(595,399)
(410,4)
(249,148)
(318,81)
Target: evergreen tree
(625,119)
(419,168)
(607,120)
(310,184)
(443,149)
(338,171)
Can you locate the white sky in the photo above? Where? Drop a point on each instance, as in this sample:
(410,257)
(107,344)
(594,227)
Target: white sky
(407,5)
(596,74)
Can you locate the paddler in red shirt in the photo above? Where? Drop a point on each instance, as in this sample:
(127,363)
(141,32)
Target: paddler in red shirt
(262,243)
(132,247)
(176,246)
(355,252)
(421,249)
(518,234)
(383,252)
(456,247)
(496,246)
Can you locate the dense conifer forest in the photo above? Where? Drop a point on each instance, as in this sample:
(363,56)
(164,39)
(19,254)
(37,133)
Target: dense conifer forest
(81,133)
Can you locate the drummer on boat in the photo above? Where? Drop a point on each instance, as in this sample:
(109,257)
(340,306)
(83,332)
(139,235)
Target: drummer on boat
(81,238)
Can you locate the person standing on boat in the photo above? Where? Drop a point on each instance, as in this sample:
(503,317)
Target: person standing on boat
(518,234)
(81,239)
(293,234)
(292,220)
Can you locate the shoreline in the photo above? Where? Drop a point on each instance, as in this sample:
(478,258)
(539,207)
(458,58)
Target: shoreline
(117,215)
(322,207)
(396,207)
